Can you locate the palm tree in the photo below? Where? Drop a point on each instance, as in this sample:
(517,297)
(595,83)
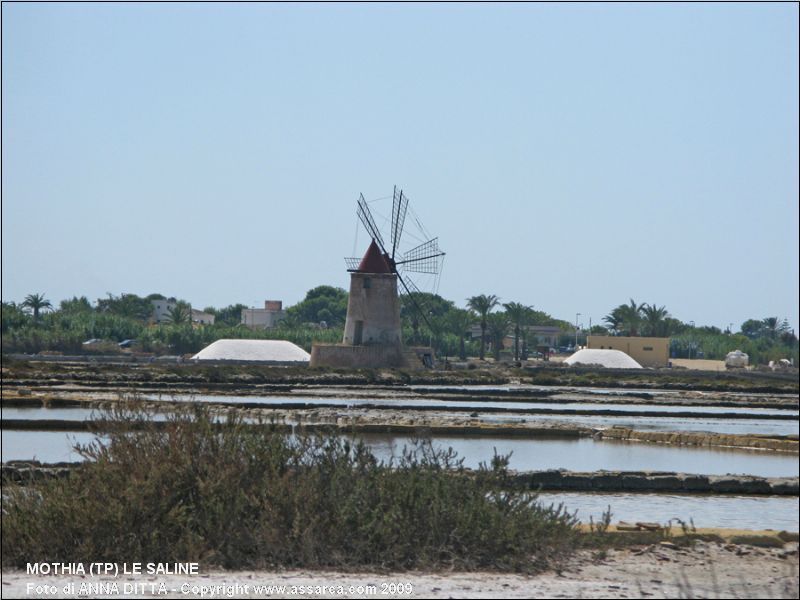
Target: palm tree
(498,328)
(655,318)
(626,318)
(773,327)
(179,314)
(614,320)
(482,305)
(519,314)
(458,322)
(36,303)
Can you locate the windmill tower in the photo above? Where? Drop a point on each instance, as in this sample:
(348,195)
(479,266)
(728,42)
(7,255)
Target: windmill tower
(373,331)
(373,308)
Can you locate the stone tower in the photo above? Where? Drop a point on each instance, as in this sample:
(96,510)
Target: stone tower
(372,330)
(373,308)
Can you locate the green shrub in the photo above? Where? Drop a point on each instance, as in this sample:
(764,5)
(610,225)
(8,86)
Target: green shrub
(238,495)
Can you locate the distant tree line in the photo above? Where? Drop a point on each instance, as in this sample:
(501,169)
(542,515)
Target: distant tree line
(762,339)
(35,325)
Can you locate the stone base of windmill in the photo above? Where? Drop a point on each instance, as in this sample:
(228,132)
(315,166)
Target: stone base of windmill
(372,356)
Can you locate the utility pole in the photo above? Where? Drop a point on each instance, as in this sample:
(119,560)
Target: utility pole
(576,330)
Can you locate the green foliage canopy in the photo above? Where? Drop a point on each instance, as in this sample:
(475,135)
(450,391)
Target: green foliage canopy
(323,303)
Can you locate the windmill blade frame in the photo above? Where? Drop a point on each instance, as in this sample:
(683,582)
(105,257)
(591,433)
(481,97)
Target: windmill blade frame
(365,215)
(352,262)
(411,294)
(423,258)
(399,208)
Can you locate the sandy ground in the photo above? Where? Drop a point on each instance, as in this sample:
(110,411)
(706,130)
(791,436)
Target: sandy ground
(659,571)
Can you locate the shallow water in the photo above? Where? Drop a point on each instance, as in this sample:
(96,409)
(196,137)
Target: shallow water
(583,454)
(62,414)
(586,454)
(738,512)
(44,446)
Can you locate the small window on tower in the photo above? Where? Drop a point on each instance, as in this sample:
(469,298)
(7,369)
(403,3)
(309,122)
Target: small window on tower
(367,282)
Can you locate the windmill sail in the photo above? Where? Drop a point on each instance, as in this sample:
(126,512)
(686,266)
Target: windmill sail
(415,295)
(365,215)
(423,259)
(352,263)
(399,207)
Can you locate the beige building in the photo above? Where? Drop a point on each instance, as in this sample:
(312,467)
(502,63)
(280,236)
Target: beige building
(647,351)
(162,308)
(202,318)
(264,318)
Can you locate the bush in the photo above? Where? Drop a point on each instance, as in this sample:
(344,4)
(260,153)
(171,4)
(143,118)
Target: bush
(238,495)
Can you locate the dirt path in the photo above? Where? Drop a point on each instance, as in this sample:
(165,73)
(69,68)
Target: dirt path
(661,571)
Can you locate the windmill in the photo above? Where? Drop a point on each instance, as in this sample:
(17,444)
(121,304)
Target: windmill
(372,332)
(424,258)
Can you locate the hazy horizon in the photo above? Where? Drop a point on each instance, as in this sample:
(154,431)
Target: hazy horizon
(569,157)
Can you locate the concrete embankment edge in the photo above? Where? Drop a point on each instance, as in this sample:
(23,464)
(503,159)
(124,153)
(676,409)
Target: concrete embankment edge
(701,438)
(24,472)
(344,426)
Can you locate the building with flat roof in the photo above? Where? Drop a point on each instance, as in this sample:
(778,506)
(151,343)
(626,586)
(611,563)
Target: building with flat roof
(264,318)
(647,351)
(202,318)
(162,308)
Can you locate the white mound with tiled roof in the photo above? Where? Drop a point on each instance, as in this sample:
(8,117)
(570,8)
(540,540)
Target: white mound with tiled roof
(278,351)
(611,359)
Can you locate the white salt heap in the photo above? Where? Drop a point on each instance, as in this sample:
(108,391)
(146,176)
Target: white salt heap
(611,359)
(257,350)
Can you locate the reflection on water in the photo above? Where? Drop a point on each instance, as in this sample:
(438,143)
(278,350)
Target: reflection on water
(583,454)
(738,512)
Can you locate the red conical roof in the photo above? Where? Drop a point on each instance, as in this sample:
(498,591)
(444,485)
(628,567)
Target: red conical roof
(374,261)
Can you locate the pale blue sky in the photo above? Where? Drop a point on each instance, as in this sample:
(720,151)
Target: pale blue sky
(568,156)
